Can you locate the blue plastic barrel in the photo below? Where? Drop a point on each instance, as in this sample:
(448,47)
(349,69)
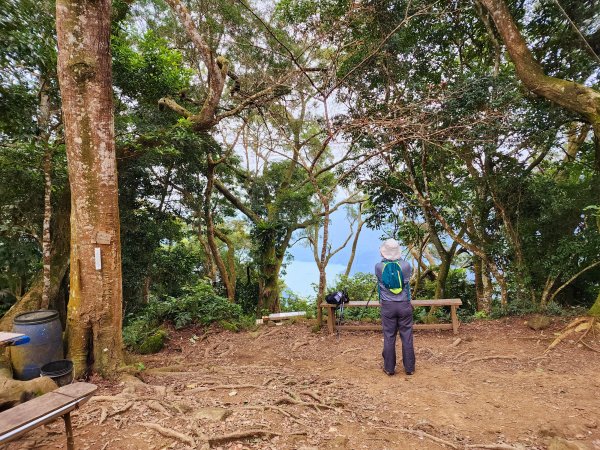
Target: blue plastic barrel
(45,344)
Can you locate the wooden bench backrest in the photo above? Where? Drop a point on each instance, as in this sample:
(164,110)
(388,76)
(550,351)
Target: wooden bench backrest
(36,408)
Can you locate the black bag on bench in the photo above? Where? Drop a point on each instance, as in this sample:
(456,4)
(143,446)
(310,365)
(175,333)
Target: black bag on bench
(337,298)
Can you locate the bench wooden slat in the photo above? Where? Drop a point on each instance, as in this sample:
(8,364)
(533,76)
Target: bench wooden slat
(416,326)
(77,390)
(39,407)
(31,410)
(425,302)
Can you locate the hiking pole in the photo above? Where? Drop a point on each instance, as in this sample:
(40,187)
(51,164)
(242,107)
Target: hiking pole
(340,317)
(371,294)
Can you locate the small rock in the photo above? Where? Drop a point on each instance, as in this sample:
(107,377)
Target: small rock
(215,414)
(539,322)
(591,424)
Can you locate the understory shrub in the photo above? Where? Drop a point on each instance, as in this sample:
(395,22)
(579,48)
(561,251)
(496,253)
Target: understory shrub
(198,305)
(291,302)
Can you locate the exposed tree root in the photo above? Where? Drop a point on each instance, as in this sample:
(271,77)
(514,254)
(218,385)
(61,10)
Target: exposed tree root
(271,407)
(578,325)
(421,434)
(169,432)
(174,368)
(222,386)
(103,415)
(312,395)
(248,434)
(297,345)
(268,381)
(486,358)
(13,392)
(293,401)
(268,333)
(108,398)
(351,350)
(494,446)
(158,407)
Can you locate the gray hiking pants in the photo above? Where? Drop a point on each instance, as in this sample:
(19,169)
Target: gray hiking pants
(397,317)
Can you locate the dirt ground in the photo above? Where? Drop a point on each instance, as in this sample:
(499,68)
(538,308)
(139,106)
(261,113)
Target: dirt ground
(291,388)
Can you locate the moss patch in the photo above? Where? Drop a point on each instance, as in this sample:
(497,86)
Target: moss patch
(153,343)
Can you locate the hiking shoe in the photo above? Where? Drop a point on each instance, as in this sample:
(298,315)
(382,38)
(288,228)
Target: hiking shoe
(410,373)
(387,373)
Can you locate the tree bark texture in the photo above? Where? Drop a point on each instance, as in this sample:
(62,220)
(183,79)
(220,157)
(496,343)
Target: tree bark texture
(227,278)
(268,278)
(94,316)
(573,96)
(43,140)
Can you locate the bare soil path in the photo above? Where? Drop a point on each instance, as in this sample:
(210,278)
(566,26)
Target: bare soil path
(285,387)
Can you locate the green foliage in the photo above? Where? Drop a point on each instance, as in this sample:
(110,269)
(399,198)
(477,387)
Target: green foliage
(153,343)
(147,68)
(198,305)
(291,302)
(457,286)
(360,286)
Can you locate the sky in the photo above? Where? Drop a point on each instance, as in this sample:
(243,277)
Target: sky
(302,273)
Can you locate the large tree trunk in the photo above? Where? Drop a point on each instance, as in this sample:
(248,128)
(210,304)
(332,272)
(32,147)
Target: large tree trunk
(477,269)
(94,316)
(268,278)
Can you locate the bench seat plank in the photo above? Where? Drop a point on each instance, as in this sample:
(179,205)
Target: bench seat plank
(46,408)
(426,302)
(416,326)
(77,390)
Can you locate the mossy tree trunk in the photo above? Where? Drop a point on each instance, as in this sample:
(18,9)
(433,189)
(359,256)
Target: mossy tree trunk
(94,316)
(269,265)
(573,96)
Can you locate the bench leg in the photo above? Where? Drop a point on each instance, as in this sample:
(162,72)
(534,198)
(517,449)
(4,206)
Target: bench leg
(331,320)
(454,319)
(69,431)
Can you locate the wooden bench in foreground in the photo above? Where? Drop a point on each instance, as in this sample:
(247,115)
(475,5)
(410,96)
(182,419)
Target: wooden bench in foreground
(25,417)
(454,303)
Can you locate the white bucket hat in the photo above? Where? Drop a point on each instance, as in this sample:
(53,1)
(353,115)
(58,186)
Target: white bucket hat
(390,249)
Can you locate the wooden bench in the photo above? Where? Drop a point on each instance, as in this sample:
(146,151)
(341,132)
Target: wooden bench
(25,417)
(454,303)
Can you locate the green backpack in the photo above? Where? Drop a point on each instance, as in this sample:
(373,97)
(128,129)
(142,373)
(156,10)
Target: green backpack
(391,277)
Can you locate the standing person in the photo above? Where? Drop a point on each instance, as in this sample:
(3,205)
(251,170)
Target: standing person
(393,275)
